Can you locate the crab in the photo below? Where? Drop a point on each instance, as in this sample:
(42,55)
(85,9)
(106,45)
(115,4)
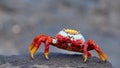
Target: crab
(68,39)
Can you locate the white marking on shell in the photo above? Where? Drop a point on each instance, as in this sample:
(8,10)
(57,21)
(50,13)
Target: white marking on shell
(72,37)
(79,36)
(63,33)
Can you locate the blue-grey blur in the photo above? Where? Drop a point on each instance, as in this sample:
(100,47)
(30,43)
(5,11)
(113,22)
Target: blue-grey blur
(22,20)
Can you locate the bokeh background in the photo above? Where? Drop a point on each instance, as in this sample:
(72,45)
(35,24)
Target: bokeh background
(22,20)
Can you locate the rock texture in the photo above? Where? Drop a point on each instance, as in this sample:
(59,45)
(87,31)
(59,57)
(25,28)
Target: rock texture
(56,60)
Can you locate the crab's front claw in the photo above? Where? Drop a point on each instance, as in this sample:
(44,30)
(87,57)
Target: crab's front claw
(32,49)
(102,56)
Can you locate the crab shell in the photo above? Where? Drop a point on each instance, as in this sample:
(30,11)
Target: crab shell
(74,37)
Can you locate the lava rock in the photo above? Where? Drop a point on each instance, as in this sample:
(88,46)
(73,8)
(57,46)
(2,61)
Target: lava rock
(56,60)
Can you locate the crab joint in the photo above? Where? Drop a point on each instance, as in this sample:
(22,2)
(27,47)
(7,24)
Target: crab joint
(54,41)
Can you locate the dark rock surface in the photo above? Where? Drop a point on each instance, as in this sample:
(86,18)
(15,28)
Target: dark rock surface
(56,60)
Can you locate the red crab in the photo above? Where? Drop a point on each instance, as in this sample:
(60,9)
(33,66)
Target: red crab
(68,39)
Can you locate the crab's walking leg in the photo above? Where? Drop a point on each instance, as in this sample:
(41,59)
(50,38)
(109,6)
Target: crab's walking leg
(89,54)
(86,53)
(34,47)
(101,54)
(36,44)
(46,50)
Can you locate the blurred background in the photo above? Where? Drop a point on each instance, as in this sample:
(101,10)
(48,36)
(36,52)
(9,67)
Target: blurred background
(22,20)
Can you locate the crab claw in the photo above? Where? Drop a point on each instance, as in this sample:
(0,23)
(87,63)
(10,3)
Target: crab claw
(102,56)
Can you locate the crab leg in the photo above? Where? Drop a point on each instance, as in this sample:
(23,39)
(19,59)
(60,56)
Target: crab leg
(89,54)
(46,50)
(36,44)
(34,47)
(86,53)
(101,54)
